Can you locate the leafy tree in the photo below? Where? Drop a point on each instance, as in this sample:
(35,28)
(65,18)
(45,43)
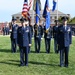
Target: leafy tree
(72,21)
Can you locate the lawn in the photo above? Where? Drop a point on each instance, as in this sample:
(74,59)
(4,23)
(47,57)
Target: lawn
(39,63)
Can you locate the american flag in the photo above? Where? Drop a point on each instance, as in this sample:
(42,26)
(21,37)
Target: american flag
(26,8)
(30,4)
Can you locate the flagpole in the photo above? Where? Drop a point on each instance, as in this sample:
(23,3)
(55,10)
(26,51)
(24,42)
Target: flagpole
(33,13)
(57,9)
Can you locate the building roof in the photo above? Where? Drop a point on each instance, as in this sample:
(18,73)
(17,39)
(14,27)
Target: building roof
(32,11)
(53,15)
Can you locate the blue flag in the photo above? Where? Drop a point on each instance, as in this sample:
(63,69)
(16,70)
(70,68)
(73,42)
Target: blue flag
(54,5)
(47,20)
(37,12)
(46,14)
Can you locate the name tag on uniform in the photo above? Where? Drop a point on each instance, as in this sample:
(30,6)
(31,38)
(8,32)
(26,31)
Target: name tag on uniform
(61,30)
(47,36)
(68,30)
(37,36)
(16,28)
(14,32)
(27,30)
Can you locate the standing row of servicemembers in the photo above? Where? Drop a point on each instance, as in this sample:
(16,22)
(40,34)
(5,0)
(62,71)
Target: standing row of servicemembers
(22,36)
(6,29)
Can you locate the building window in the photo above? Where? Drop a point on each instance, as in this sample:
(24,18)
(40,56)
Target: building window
(51,17)
(55,17)
(17,17)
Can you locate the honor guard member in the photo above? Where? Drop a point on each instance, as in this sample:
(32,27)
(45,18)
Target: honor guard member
(31,33)
(13,35)
(7,29)
(38,32)
(47,37)
(55,32)
(4,30)
(24,41)
(64,41)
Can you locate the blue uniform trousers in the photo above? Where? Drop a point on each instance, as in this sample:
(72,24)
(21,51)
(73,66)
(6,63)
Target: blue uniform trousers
(55,45)
(37,44)
(13,45)
(64,56)
(47,45)
(24,56)
(29,49)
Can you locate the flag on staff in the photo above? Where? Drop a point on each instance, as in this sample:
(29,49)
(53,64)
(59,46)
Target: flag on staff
(46,14)
(30,4)
(34,4)
(54,5)
(37,10)
(26,8)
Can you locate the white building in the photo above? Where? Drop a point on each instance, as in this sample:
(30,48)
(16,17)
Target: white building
(53,15)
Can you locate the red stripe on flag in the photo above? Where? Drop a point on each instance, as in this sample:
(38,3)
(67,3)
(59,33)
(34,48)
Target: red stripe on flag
(26,8)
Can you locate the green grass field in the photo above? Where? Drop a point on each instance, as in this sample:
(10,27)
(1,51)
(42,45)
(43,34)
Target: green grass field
(39,64)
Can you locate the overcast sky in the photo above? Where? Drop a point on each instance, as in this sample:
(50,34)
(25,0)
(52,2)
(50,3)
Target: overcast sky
(9,7)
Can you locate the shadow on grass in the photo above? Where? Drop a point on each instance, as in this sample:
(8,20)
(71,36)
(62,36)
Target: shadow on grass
(41,63)
(45,52)
(32,51)
(41,52)
(14,60)
(17,63)
(9,51)
(5,50)
(10,63)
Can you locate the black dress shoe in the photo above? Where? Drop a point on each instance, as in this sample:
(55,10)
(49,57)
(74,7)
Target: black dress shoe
(26,64)
(36,51)
(61,65)
(22,64)
(56,51)
(66,66)
(47,51)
